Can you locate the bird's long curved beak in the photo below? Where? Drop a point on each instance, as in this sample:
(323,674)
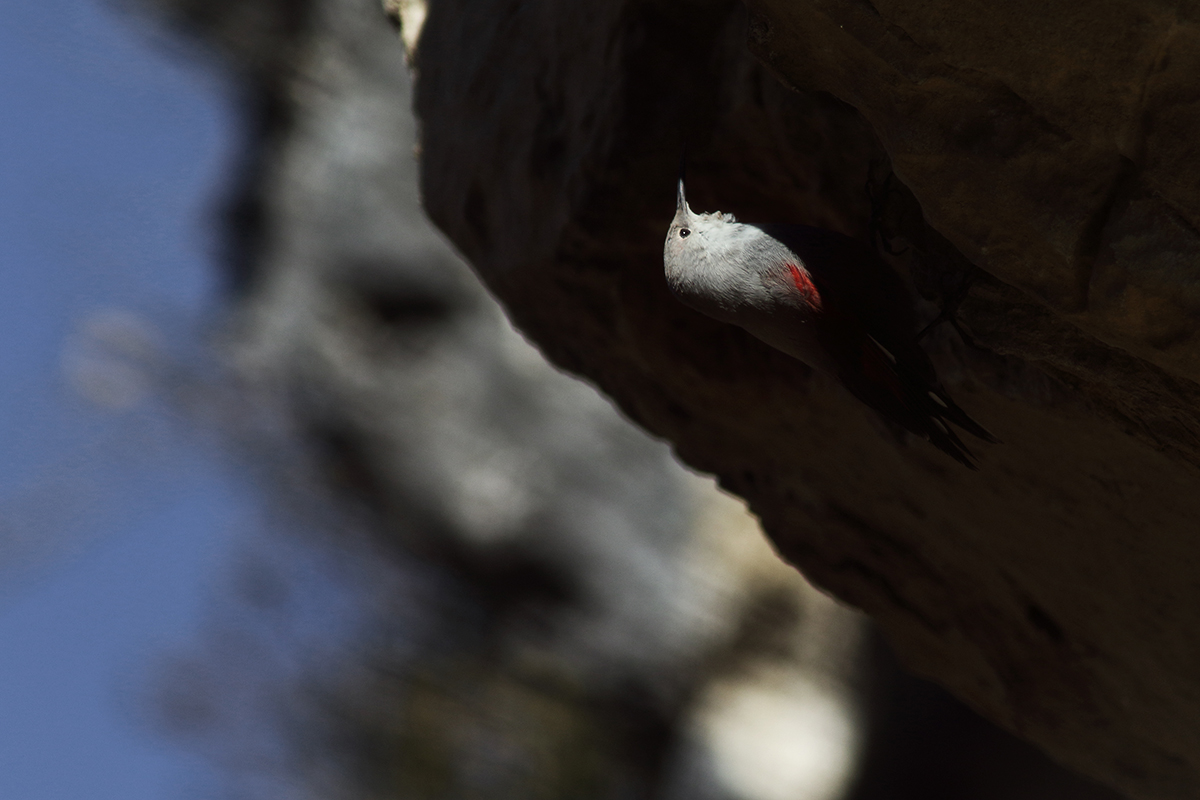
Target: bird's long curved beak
(681,206)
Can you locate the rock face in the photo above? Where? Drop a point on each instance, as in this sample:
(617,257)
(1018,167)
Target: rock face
(1041,160)
(1078,120)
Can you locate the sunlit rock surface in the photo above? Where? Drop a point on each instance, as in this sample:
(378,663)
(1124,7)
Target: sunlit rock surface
(1043,163)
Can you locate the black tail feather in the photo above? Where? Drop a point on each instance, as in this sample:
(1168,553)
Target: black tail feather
(928,413)
(950,411)
(944,438)
(905,390)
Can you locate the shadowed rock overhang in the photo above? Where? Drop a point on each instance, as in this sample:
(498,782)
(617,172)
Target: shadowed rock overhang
(1038,157)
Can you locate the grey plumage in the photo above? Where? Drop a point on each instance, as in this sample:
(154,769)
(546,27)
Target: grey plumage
(824,299)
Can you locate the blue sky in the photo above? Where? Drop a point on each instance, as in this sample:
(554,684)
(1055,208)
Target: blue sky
(114,525)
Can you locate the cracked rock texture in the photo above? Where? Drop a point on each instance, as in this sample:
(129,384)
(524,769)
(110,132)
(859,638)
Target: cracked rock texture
(1038,154)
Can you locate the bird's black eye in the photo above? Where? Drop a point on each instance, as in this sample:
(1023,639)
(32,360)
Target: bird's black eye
(684,233)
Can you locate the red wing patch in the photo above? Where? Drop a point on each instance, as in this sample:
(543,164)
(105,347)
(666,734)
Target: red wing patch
(804,285)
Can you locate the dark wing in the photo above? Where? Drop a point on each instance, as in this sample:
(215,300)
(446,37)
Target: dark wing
(867,324)
(851,275)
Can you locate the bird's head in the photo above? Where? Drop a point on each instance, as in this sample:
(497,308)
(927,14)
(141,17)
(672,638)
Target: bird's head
(690,233)
(681,225)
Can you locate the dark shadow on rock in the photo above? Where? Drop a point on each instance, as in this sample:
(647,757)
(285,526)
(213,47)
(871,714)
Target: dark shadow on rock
(922,744)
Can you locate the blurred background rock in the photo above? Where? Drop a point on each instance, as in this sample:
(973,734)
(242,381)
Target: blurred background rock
(479,579)
(547,603)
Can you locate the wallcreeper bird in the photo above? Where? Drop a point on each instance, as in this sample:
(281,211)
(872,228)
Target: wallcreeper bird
(823,298)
